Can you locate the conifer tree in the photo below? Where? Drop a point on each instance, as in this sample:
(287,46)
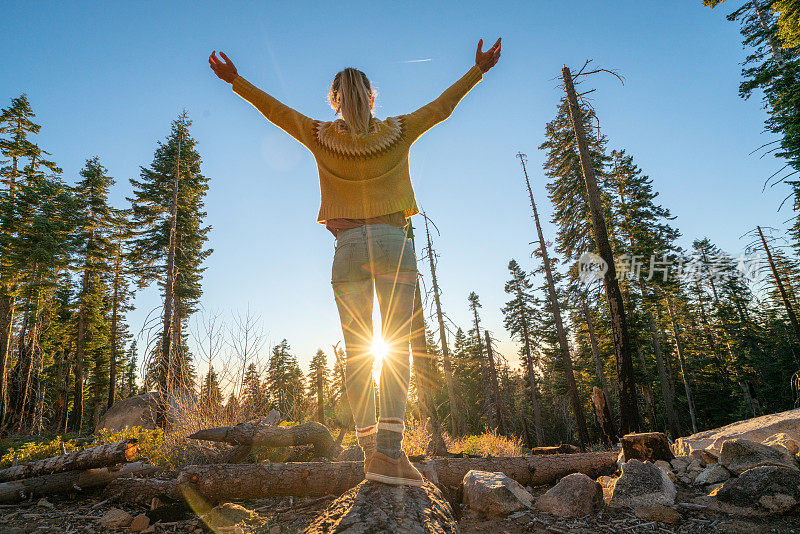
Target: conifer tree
(318,383)
(518,320)
(254,397)
(97,222)
(211,395)
(285,380)
(152,204)
(19,154)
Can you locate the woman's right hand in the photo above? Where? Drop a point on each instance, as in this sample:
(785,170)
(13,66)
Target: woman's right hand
(225,71)
(487,60)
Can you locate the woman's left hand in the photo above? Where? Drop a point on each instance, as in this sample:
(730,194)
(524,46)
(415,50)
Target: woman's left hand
(486,60)
(225,71)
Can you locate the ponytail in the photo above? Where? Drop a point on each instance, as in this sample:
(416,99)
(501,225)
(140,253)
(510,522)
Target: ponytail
(351,96)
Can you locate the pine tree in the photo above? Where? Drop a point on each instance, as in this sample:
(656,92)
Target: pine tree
(97,222)
(318,383)
(211,395)
(16,128)
(518,320)
(152,204)
(254,396)
(285,381)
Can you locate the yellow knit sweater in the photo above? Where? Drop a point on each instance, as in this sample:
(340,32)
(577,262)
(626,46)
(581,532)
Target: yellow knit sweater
(366,176)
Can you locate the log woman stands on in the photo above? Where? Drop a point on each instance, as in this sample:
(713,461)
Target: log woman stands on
(366,199)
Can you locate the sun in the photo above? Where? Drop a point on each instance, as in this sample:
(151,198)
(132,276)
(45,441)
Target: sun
(379,351)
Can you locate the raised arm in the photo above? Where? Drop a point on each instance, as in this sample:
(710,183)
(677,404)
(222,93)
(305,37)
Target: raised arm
(292,122)
(427,116)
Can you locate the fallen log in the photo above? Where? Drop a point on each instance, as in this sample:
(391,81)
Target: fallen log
(564,448)
(70,481)
(375,507)
(100,456)
(257,433)
(228,482)
(141,490)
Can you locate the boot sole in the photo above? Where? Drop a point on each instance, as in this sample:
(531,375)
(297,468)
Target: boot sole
(394,481)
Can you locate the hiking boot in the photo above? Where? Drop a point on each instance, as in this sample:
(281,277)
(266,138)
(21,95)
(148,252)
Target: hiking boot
(395,471)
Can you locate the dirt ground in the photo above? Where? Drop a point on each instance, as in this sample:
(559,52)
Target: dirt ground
(76,515)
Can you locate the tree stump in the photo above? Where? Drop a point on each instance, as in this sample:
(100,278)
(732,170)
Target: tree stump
(372,507)
(646,447)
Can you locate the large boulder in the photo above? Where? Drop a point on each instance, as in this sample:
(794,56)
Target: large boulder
(575,495)
(494,493)
(642,484)
(141,410)
(739,455)
(768,489)
(647,446)
(756,429)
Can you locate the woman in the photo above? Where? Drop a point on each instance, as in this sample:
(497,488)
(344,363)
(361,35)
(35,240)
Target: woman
(366,200)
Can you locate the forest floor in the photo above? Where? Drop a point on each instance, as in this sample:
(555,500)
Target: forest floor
(290,515)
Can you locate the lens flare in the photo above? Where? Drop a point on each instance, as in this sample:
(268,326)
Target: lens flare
(379,351)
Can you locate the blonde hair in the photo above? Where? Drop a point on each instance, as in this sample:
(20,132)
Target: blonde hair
(351,96)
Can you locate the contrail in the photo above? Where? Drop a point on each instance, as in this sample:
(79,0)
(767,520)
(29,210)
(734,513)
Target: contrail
(415,60)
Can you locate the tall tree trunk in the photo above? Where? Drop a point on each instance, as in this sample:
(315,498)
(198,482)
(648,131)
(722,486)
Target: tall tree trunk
(537,410)
(456,417)
(485,379)
(629,411)
(7,304)
(555,308)
(779,284)
(502,426)
(647,391)
(167,350)
(684,371)
(666,390)
(76,419)
(320,396)
(746,387)
(598,364)
(112,372)
(424,369)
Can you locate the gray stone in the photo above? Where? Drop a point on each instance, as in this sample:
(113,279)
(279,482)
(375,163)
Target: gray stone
(739,455)
(116,518)
(575,495)
(704,457)
(713,474)
(756,429)
(679,465)
(768,489)
(140,410)
(647,446)
(642,484)
(494,493)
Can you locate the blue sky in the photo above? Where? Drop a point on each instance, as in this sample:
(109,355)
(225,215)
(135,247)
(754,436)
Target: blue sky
(107,78)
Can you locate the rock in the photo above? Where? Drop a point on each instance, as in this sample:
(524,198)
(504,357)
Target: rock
(658,512)
(575,495)
(768,489)
(739,455)
(375,507)
(704,457)
(713,474)
(44,502)
(140,410)
(712,489)
(228,515)
(782,440)
(149,530)
(494,493)
(139,523)
(686,479)
(620,460)
(648,446)
(757,429)
(666,467)
(642,484)
(115,518)
(679,465)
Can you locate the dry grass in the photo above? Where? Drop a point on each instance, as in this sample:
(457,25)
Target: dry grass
(416,439)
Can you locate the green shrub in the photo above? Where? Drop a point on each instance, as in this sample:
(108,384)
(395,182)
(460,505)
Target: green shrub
(36,450)
(151,443)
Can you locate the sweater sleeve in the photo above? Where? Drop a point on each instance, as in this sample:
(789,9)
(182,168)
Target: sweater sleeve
(420,121)
(292,122)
